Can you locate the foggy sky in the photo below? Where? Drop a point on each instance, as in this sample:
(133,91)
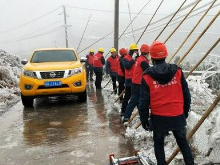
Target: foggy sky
(50,31)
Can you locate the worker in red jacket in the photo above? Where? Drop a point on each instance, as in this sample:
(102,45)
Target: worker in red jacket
(165,92)
(141,64)
(89,65)
(112,67)
(129,63)
(98,63)
(121,73)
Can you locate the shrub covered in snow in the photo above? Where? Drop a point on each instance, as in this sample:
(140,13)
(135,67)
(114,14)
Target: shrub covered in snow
(10,68)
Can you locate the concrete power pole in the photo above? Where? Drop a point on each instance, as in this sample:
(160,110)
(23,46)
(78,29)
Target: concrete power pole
(65,24)
(116,25)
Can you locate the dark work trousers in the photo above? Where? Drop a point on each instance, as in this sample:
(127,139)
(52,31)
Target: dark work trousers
(180,136)
(98,80)
(89,72)
(121,86)
(114,78)
(126,99)
(133,102)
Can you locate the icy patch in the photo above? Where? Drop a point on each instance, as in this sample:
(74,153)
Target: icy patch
(84,134)
(9,146)
(81,153)
(114,139)
(55,123)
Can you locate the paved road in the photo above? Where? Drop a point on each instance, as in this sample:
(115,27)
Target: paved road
(58,131)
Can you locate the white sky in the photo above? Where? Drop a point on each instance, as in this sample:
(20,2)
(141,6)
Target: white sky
(50,30)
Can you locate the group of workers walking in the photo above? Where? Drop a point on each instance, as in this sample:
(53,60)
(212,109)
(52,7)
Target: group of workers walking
(160,92)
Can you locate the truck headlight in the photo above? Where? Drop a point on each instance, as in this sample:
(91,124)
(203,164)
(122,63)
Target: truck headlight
(29,73)
(75,71)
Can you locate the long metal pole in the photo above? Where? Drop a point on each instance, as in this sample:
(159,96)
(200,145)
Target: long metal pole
(192,31)
(149,22)
(196,127)
(202,59)
(116,26)
(84,32)
(170,20)
(199,37)
(65,24)
(182,21)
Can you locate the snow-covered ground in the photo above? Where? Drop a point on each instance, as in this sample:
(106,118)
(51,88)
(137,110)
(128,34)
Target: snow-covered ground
(205,143)
(10,68)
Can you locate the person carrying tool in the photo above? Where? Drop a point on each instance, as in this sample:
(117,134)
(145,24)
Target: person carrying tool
(98,63)
(112,67)
(128,62)
(121,73)
(165,92)
(89,65)
(141,64)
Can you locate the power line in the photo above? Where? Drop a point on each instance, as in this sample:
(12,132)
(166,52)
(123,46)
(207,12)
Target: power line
(162,19)
(31,32)
(106,11)
(30,21)
(131,19)
(150,21)
(42,34)
(155,28)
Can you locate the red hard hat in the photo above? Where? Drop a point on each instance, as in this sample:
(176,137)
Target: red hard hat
(145,48)
(158,50)
(123,51)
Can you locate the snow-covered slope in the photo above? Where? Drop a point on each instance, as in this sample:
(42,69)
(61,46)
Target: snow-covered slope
(205,143)
(10,68)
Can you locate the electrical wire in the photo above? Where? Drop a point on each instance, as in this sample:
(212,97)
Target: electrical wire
(150,21)
(131,19)
(32,32)
(106,11)
(29,21)
(153,29)
(42,34)
(138,29)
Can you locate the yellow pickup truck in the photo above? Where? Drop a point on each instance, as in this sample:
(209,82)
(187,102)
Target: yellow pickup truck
(53,71)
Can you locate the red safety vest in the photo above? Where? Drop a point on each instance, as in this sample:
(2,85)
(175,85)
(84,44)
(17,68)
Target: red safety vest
(97,62)
(113,62)
(120,71)
(167,99)
(138,70)
(129,72)
(90,59)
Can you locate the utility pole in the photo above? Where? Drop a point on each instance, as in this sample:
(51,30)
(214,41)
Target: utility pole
(65,26)
(116,25)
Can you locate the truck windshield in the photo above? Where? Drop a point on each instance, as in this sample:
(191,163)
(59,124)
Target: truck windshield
(53,56)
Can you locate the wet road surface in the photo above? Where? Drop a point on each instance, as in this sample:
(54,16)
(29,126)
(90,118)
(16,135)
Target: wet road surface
(58,131)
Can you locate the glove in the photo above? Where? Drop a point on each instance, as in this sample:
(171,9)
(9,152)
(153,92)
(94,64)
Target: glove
(147,125)
(134,57)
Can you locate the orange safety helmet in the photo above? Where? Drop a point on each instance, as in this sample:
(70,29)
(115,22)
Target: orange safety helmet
(145,48)
(123,51)
(158,50)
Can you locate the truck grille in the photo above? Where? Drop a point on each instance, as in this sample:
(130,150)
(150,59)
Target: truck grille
(52,74)
(43,87)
